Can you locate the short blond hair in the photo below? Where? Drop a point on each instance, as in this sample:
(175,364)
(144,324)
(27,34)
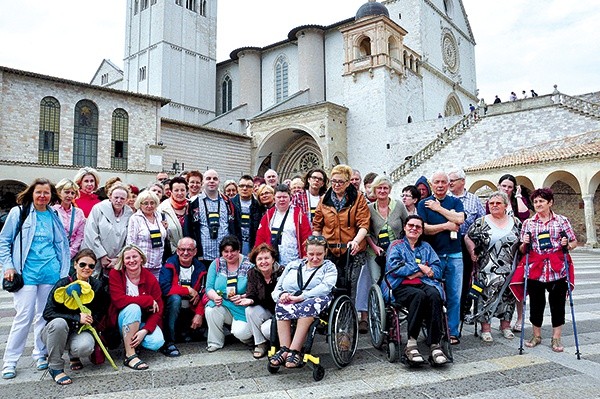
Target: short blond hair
(81,173)
(67,184)
(119,264)
(263,188)
(344,170)
(146,195)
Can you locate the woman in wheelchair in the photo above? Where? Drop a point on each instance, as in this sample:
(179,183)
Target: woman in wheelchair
(302,292)
(411,272)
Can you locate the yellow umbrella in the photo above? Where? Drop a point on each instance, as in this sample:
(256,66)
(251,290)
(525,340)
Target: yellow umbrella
(74,296)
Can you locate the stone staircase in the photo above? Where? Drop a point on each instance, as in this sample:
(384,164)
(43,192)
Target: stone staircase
(578,105)
(506,121)
(442,140)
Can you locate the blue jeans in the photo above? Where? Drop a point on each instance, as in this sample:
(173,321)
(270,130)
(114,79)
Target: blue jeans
(452,271)
(171,314)
(133,314)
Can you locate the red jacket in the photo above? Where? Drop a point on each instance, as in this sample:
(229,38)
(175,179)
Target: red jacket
(86,202)
(149,292)
(303,231)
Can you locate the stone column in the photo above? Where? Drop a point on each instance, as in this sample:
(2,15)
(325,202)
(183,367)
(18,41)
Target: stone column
(590,226)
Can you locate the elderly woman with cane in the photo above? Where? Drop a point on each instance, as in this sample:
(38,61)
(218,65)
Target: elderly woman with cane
(546,232)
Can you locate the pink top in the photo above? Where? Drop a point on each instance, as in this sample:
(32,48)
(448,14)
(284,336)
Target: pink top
(76,237)
(86,202)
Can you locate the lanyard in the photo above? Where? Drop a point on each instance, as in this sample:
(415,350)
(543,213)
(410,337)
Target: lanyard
(301,285)
(277,231)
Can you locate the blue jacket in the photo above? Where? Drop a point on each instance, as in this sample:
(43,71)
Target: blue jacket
(11,243)
(402,259)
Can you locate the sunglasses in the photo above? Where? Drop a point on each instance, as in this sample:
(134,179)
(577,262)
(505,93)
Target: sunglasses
(317,240)
(90,265)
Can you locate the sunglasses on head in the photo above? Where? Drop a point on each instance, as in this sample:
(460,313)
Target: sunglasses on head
(83,264)
(317,240)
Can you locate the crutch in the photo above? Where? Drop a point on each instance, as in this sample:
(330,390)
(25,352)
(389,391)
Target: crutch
(565,249)
(527,249)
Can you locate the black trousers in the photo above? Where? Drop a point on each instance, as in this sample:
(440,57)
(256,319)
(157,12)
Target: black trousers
(424,305)
(557,298)
(465,301)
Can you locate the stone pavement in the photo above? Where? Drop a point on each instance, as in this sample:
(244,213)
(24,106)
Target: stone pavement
(479,371)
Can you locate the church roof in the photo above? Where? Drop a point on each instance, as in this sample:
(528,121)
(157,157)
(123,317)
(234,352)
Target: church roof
(581,146)
(372,8)
(161,100)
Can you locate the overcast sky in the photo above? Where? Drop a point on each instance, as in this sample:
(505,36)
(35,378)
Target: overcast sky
(521,44)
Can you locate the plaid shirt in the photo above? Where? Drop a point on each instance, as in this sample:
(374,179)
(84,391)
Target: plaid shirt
(554,227)
(473,210)
(301,201)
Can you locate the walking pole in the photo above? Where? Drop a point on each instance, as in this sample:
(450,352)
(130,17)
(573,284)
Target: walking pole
(527,249)
(565,249)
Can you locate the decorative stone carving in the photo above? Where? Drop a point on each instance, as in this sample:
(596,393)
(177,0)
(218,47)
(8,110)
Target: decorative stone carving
(450,51)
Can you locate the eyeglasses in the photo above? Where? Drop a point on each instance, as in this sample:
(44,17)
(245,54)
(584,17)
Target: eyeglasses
(317,178)
(412,226)
(90,265)
(338,182)
(148,203)
(455,180)
(246,186)
(407,196)
(494,203)
(186,249)
(316,240)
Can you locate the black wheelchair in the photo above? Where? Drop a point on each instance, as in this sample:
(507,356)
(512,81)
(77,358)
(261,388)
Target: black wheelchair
(339,324)
(386,319)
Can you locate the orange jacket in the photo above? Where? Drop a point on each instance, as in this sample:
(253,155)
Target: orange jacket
(341,227)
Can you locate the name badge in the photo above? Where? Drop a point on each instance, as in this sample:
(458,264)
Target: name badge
(544,240)
(156,238)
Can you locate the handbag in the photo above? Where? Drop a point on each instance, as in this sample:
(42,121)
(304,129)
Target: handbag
(15,285)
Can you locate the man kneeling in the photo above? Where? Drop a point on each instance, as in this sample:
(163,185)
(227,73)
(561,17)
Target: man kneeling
(182,280)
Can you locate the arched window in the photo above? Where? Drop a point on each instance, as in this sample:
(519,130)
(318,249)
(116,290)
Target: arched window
(393,48)
(203,8)
(281,79)
(49,130)
(364,48)
(409,119)
(85,135)
(191,5)
(226,94)
(118,146)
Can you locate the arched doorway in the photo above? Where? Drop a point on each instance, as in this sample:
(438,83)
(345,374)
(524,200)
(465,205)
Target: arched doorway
(290,152)
(8,193)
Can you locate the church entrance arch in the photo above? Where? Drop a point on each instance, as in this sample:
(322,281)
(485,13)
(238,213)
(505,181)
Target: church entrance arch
(8,193)
(290,152)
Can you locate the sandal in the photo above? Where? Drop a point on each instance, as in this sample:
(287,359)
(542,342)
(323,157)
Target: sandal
(75,364)
(56,376)
(293,360)
(533,341)
(486,336)
(454,340)
(170,350)
(517,327)
(413,355)
(139,365)
(363,327)
(41,364)
(508,334)
(437,355)
(557,345)
(260,351)
(9,372)
(279,358)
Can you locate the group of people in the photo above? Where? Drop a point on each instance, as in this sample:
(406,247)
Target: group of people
(188,257)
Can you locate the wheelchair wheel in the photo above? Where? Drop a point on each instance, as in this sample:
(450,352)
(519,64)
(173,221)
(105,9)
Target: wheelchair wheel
(393,351)
(342,331)
(377,316)
(318,372)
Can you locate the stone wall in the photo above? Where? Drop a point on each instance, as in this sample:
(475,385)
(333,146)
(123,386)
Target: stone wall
(202,148)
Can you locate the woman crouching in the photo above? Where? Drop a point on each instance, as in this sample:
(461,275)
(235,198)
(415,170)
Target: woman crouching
(136,305)
(302,292)
(65,318)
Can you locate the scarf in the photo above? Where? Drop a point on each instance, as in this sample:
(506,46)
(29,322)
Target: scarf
(178,205)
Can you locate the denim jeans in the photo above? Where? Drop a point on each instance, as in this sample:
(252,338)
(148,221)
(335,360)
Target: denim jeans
(452,271)
(133,313)
(171,313)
